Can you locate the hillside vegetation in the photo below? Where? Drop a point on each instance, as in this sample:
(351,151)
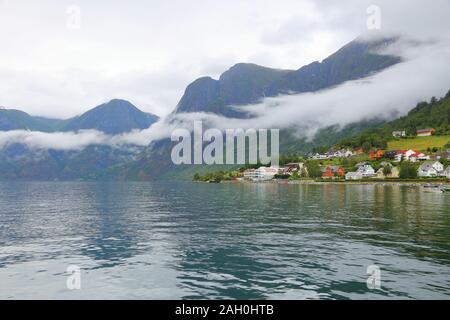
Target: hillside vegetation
(419,144)
(434,114)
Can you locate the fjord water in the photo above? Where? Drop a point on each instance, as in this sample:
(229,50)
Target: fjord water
(173,240)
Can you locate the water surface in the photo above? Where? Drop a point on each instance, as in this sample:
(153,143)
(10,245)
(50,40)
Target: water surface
(174,240)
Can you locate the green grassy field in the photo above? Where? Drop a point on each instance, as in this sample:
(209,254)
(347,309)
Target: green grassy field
(419,144)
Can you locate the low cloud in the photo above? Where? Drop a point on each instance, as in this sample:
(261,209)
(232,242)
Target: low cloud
(83,138)
(58,140)
(423,73)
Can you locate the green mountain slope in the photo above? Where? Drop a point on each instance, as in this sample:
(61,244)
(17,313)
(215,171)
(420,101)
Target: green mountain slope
(434,114)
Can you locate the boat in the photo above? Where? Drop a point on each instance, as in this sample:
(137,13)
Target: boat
(432,186)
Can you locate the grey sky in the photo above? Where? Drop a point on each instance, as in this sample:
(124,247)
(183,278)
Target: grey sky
(149,51)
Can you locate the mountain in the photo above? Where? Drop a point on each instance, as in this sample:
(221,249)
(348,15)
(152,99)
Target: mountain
(114,117)
(19,120)
(356,60)
(19,162)
(155,163)
(242,84)
(249,83)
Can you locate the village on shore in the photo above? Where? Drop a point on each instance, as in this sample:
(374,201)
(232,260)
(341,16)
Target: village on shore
(350,165)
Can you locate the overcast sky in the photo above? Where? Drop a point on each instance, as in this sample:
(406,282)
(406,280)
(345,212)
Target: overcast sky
(58,64)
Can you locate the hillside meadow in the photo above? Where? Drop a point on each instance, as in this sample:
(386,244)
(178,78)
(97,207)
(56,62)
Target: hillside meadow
(419,143)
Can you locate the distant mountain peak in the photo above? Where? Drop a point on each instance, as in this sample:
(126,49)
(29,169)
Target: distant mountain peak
(248,83)
(114,117)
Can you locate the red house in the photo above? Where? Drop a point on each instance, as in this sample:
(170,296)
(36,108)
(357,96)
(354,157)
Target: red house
(333,171)
(328,173)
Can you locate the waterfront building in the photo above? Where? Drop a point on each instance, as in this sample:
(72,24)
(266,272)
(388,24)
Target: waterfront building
(430,169)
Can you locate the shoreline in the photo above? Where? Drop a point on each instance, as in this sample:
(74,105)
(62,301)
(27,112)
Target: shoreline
(412,183)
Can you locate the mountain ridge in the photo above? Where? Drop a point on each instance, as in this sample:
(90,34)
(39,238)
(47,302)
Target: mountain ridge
(114,117)
(246,83)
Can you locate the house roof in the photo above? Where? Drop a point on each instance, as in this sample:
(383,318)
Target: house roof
(365,167)
(414,154)
(427,165)
(333,168)
(425,130)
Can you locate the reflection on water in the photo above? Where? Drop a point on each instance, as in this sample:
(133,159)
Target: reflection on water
(247,241)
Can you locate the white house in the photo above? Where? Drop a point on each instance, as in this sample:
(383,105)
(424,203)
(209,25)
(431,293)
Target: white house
(348,153)
(333,154)
(249,174)
(398,134)
(430,169)
(366,171)
(264,173)
(319,156)
(290,168)
(353,176)
(342,154)
(446,173)
(411,155)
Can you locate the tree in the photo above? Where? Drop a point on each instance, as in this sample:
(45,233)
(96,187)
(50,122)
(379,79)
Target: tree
(314,170)
(366,146)
(387,170)
(294,176)
(408,170)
